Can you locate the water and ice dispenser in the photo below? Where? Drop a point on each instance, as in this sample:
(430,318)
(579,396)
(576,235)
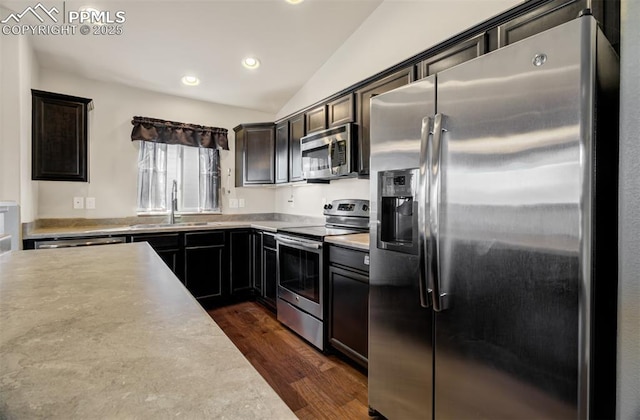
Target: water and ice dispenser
(398,210)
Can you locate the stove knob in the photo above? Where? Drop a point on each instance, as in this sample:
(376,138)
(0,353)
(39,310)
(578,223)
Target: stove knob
(329,207)
(326,206)
(365,207)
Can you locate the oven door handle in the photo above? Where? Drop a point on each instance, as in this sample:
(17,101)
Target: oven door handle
(300,244)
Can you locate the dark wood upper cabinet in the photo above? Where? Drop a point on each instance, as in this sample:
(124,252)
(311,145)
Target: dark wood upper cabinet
(59,135)
(363,96)
(316,119)
(340,111)
(452,56)
(296,132)
(282,152)
(538,20)
(255,154)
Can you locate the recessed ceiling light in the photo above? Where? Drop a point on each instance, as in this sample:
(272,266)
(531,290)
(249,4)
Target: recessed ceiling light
(190,81)
(251,63)
(295,1)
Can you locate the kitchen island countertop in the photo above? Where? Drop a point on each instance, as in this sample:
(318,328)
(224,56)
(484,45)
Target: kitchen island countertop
(110,332)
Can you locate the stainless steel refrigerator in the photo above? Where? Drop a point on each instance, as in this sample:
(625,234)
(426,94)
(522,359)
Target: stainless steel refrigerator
(493,247)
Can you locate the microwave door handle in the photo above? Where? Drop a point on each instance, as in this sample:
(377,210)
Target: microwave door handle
(422,195)
(329,156)
(440,299)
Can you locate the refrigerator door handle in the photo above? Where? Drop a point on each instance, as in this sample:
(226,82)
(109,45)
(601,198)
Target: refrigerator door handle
(422,196)
(434,159)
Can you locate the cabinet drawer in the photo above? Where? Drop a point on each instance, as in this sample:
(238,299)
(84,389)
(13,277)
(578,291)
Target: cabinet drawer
(349,258)
(269,240)
(163,241)
(204,239)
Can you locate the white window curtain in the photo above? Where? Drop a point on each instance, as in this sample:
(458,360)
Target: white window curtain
(152,177)
(195,169)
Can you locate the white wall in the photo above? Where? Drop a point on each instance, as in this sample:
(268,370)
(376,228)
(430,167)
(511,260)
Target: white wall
(113,156)
(18,75)
(395,31)
(29,79)
(309,198)
(629,217)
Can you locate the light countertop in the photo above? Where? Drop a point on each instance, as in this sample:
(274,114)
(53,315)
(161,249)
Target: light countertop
(358,241)
(110,332)
(110,229)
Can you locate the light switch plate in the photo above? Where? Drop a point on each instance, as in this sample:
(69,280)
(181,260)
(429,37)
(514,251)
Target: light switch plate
(78,203)
(233,203)
(90,203)
(241,202)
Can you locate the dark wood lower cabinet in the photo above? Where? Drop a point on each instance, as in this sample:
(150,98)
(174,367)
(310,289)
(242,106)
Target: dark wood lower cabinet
(206,265)
(348,326)
(269,271)
(256,263)
(240,283)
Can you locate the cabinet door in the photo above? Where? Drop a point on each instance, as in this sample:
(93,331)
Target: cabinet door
(340,111)
(538,20)
(282,152)
(349,313)
(316,119)
(206,264)
(363,95)
(296,132)
(254,154)
(270,276)
(59,137)
(240,248)
(204,271)
(452,56)
(259,155)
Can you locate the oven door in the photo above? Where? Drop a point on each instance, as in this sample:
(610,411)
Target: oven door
(300,273)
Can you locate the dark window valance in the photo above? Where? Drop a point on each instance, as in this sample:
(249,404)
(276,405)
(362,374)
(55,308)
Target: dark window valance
(170,132)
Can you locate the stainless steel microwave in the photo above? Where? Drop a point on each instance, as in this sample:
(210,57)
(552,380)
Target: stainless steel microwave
(330,153)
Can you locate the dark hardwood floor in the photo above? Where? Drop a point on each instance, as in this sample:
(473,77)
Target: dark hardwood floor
(313,385)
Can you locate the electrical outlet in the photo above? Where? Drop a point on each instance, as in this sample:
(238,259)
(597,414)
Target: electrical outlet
(90,203)
(78,203)
(241,202)
(233,203)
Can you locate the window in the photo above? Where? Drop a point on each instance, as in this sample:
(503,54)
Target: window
(196,171)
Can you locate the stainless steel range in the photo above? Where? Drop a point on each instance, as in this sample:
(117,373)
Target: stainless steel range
(301,267)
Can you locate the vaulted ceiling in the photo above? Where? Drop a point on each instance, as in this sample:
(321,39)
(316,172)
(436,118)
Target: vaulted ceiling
(162,41)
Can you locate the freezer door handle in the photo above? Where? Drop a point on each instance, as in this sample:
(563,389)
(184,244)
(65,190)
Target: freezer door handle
(422,196)
(434,159)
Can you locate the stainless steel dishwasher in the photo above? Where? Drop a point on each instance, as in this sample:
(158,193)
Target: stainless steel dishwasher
(70,243)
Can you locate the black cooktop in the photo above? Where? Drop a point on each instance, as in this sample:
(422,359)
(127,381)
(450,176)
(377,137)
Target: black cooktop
(318,232)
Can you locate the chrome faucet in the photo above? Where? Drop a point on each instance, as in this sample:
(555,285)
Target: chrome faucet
(174,202)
